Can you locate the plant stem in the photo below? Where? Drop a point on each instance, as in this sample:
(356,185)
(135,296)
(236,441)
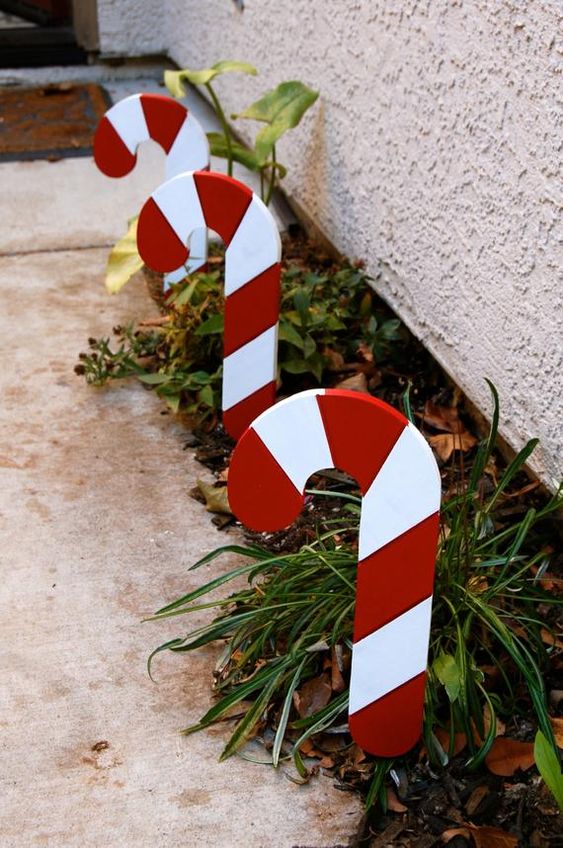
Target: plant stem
(224,125)
(272,178)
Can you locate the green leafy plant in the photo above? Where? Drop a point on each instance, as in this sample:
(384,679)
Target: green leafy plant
(295,618)
(325,316)
(174,82)
(279,110)
(180,358)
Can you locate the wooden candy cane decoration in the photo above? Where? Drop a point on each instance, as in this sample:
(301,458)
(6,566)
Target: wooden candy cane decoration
(142,117)
(252,277)
(400,483)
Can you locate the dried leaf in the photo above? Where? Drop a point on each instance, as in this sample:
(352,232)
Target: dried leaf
(337,681)
(508,755)
(501,726)
(443,418)
(393,802)
(493,837)
(216,499)
(551,639)
(308,750)
(365,352)
(475,799)
(355,383)
(557,725)
(452,832)
(443,736)
(313,695)
(445,443)
(477,584)
(335,359)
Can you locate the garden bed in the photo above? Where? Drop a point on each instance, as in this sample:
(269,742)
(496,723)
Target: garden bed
(497,596)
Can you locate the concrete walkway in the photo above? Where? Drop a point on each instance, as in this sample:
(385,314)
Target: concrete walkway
(97,531)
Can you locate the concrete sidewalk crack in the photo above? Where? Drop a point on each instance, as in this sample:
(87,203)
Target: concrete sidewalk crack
(9,253)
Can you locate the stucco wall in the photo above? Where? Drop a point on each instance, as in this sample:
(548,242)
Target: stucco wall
(434,153)
(131,27)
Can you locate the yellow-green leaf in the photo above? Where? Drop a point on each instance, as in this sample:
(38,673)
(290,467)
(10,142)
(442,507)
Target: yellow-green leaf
(173,82)
(281,109)
(124,260)
(215,497)
(174,79)
(446,670)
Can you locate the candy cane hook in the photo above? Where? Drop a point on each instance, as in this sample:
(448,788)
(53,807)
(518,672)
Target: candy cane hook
(252,277)
(137,119)
(400,483)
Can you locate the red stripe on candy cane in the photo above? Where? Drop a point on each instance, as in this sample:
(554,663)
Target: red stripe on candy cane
(141,117)
(236,418)
(252,277)
(252,309)
(400,483)
(164,118)
(111,154)
(225,202)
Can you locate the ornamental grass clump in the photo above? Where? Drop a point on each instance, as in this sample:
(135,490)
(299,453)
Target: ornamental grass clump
(286,638)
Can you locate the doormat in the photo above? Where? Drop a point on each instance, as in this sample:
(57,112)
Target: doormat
(50,122)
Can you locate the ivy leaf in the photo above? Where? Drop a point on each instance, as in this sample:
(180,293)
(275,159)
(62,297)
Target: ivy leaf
(309,346)
(124,260)
(446,670)
(549,767)
(281,109)
(173,80)
(215,324)
(154,379)
(288,333)
(205,396)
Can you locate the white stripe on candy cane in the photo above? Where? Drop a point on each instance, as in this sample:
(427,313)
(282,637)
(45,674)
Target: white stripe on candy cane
(249,368)
(178,201)
(128,120)
(192,138)
(296,456)
(375,669)
(248,255)
(405,492)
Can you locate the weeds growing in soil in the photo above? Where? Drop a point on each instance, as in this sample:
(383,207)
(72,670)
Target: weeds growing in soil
(326,316)
(286,637)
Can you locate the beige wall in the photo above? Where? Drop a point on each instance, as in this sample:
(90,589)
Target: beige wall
(131,27)
(435,154)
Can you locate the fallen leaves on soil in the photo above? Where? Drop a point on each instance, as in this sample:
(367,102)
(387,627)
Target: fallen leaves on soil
(508,755)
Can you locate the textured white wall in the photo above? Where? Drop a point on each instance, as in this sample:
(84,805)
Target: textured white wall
(131,27)
(435,154)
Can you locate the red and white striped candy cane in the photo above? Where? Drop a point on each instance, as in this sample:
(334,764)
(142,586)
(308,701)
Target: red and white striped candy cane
(400,483)
(252,277)
(137,119)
